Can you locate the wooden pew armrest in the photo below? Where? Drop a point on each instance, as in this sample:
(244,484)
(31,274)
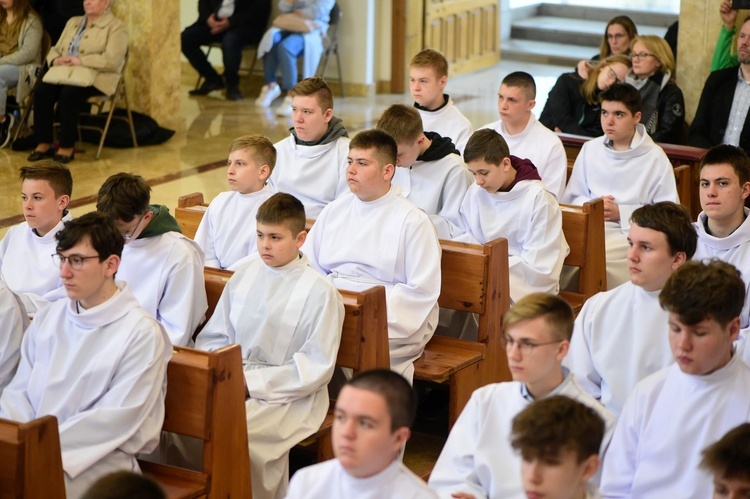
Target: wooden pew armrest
(575,300)
(444,356)
(178,483)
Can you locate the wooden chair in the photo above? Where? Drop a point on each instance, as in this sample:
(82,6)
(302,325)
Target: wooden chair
(583,227)
(206,400)
(31,460)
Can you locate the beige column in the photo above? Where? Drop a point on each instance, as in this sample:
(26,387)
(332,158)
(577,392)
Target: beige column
(153,75)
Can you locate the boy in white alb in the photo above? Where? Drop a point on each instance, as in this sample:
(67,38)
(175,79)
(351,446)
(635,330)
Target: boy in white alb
(226,233)
(430,170)
(376,237)
(723,226)
(729,462)
(610,352)
(526,136)
(311,162)
(626,169)
(163,268)
(477,458)
(25,250)
(372,421)
(14,320)
(559,441)
(288,320)
(96,361)
(674,413)
(509,200)
(428,75)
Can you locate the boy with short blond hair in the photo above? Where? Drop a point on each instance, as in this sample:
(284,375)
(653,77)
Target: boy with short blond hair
(526,136)
(226,233)
(559,441)
(428,75)
(509,200)
(673,414)
(729,461)
(311,162)
(389,242)
(373,418)
(477,458)
(430,170)
(289,333)
(626,169)
(25,250)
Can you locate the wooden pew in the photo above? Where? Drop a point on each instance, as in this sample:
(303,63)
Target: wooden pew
(30,460)
(206,400)
(364,339)
(189,213)
(583,227)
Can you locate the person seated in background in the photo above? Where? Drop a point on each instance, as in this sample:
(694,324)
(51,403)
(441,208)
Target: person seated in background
(559,441)
(25,262)
(125,485)
(527,137)
(163,268)
(96,361)
(430,170)
(729,461)
(722,114)
(92,51)
(372,423)
(297,30)
(653,74)
(617,40)
(509,200)
(289,333)
(20,56)
(574,105)
(311,161)
(477,459)
(673,414)
(226,233)
(233,24)
(428,75)
(626,169)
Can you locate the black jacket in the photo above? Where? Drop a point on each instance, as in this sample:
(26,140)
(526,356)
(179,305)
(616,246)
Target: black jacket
(670,118)
(250,16)
(712,116)
(567,110)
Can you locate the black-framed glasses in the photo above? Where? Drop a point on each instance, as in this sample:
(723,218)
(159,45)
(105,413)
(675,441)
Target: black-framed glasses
(524,345)
(613,75)
(129,236)
(641,56)
(75,261)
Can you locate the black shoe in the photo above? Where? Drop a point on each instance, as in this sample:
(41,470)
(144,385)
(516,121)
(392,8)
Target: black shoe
(61,158)
(39,155)
(233,93)
(207,88)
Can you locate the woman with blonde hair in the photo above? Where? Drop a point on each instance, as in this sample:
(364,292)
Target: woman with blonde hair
(652,73)
(573,103)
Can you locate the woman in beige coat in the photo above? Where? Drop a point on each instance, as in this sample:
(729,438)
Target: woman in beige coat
(94,46)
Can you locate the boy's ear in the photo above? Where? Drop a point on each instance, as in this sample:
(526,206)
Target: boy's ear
(62,202)
(734,329)
(745,190)
(401,436)
(637,116)
(113,263)
(265,171)
(678,259)
(442,81)
(388,171)
(301,238)
(590,467)
(328,115)
(530,105)
(506,165)
(562,350)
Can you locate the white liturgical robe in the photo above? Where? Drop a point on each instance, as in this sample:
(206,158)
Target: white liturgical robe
(667,421)
(14,320)
(541,146)
(329,480)
(288,322)
(388,242)
(102,373)
(641,175)
(620,337)
(227,231)
(448,121)
(165,273)
(530,219)
(438,188)
(477,458)
(316,175)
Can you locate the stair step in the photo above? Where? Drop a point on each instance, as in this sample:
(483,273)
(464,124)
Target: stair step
(546,53)
(604,14)
(568,31)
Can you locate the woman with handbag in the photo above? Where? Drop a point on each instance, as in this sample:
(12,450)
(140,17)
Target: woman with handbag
(20,54)
(86,61)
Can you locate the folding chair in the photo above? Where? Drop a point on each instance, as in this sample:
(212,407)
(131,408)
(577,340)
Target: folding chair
(27,104)
(217,45)
(331,45)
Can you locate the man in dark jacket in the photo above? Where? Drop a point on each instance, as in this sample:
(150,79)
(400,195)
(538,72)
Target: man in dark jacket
(232,23)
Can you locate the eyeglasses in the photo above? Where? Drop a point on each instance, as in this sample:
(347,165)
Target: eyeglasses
(132,232)
(75,261)
(641,56)
(525,346)
(613,75)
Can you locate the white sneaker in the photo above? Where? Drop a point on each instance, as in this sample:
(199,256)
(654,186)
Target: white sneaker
(285,109)
(5,130)
(267,95)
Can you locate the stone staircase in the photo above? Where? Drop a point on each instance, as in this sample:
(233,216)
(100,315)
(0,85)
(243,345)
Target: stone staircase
(565,34)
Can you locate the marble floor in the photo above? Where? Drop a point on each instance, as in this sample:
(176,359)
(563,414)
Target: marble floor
(193,159)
